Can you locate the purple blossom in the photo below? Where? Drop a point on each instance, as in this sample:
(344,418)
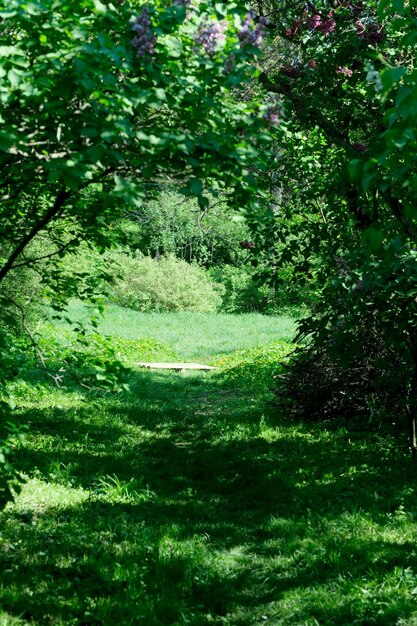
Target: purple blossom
(252,33)
(323,25)
(344,71)
(314,21)
(210,35)
(355,9)
(272,112)
(372,33)
(360,28)
(329,25)
(375,33)
(144,40)
(293,30)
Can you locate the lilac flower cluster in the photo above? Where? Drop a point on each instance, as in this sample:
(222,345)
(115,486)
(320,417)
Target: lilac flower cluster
(355,9)
(272,112)
(360,28)
(314,21)
(293,30)
(344,71)
(373,33)
(252,32)
(324,25)
(210,35)
(144,40)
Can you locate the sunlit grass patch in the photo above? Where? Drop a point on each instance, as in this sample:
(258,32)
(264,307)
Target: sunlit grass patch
(193,336)
(9,620)
(254,366)
(113,489)
(37,496)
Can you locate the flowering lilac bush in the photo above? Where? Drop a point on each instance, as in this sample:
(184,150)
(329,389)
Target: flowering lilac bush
(324,25)
(344,71)
(144,40)
(252,32)
(210,36)
(346,182)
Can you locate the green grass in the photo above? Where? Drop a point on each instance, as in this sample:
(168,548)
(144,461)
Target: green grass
(190,502)
(203,336)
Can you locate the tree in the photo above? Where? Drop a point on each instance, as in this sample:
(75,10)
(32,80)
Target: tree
(99,104)
(344,209)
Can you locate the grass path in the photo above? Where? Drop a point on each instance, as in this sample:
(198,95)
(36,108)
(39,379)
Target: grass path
(190,502)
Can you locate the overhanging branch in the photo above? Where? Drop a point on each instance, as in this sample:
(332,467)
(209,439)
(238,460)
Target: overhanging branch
(54,210)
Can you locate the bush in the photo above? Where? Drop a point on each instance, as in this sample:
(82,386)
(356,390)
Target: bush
(87,272)
(164,285)
(322,384)
(359,358)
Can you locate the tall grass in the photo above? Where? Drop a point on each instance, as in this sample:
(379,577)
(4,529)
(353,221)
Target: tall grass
(202,336)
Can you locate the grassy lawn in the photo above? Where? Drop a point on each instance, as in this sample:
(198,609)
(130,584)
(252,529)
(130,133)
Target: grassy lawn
(203,336)
(190,502)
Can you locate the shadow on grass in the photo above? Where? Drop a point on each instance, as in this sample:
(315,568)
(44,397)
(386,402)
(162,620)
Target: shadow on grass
(198,509)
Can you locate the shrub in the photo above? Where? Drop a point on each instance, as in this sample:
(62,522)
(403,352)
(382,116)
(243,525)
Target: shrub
(165,284)
(359,357)
(321,383)
(87,272)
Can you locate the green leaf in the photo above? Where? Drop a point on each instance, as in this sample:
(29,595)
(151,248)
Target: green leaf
(372,239)
(389,77)
(196,186)
(14,76)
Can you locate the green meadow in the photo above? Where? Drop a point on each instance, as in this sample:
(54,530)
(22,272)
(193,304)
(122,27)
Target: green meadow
(205,336)
(191,501)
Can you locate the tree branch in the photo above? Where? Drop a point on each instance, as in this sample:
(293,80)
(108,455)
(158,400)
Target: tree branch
(30,262)
(60,200)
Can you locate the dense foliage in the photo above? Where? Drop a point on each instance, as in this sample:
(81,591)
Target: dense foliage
(192,500)
(100,104)
(104,107)
(344,210)
(172,224)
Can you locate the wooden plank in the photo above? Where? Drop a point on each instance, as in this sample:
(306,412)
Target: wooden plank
(176,366)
